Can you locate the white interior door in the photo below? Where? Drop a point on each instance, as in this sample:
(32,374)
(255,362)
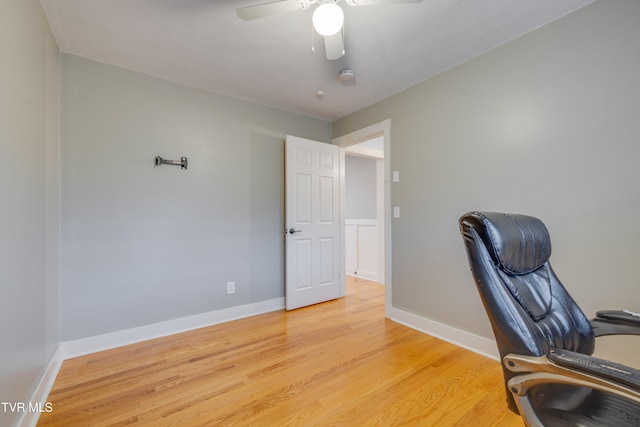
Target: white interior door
(312,181)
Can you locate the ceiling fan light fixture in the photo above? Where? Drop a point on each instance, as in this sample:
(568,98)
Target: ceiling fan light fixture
(328,19)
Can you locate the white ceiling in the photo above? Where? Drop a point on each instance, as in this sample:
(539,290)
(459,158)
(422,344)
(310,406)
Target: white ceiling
(204,44)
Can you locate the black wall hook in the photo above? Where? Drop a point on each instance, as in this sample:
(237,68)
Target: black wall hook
(182,162)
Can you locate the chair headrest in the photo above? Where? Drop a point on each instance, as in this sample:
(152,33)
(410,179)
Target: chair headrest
(518,244)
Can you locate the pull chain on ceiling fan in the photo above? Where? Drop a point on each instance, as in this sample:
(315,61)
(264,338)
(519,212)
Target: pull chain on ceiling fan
(328,18)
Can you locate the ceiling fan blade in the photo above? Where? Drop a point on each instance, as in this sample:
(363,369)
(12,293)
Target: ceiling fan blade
(267,9)
(375,2)
(334,46)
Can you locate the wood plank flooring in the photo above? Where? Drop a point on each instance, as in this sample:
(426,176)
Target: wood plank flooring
(340,363)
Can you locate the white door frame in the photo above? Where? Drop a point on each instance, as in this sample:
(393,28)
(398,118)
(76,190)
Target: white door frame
(383,129)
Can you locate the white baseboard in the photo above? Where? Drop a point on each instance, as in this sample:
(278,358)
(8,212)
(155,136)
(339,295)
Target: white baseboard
(84,346)
(481,345)
(365,275)
(42,390)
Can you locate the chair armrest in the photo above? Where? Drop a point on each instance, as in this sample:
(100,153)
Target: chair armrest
(616,322)
(567,367)
(612,371)
(620,315)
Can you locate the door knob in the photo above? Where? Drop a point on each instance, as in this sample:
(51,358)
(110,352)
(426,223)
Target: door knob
(292,231)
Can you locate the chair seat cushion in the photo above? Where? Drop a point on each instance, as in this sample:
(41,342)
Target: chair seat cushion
(597,410)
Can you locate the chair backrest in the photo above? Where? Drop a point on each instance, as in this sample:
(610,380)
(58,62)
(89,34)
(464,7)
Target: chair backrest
(529,309)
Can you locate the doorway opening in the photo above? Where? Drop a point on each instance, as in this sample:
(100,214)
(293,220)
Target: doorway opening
(364,210)
(366,215)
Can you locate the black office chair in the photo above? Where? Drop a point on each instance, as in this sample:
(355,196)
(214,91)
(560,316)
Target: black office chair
(544,339)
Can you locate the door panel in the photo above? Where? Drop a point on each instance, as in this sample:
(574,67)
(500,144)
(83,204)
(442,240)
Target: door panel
(326,260)
(303,267)
(303,199)
(326,196)
(312,222)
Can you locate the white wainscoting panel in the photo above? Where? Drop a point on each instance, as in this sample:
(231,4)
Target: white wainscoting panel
(362,248)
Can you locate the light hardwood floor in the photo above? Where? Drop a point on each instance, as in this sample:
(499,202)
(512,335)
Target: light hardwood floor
(339,363)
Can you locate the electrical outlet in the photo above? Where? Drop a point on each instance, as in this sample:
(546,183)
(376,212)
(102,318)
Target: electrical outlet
(231,287)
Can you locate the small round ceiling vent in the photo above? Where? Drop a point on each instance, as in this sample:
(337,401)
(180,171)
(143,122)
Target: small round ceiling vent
(346,75)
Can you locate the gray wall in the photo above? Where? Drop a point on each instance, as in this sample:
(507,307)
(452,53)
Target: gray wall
(142,244)
(360,188)
(547,125)
(29,187)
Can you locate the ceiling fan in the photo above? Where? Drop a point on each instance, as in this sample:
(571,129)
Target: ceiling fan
(328,17)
